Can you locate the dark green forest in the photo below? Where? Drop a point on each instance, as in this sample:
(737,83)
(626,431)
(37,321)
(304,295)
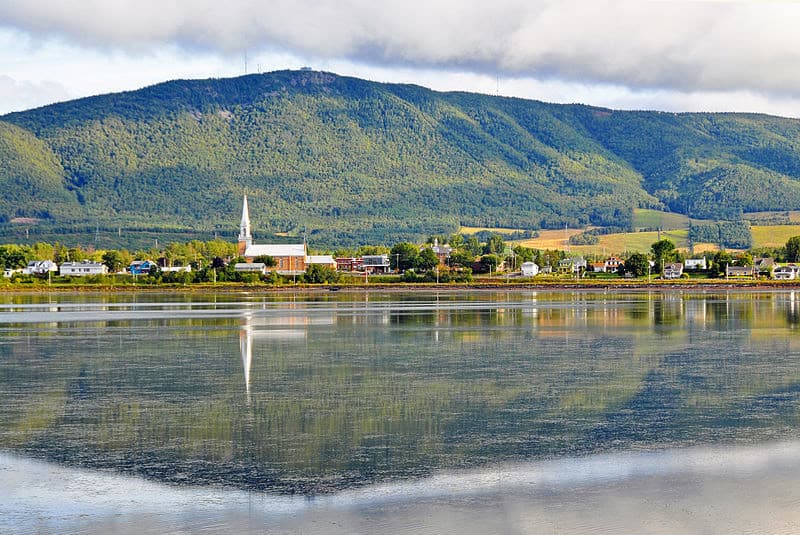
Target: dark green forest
(347,161)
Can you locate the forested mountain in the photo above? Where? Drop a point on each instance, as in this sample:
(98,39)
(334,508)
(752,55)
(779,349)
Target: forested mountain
(351,161)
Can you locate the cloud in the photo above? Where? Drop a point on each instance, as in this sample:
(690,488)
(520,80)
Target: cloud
(644,45)
(18,95)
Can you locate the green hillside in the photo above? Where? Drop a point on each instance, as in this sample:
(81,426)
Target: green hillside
(350,161)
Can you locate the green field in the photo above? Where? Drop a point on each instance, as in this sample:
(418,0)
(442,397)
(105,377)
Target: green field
(773,235)
(655,219)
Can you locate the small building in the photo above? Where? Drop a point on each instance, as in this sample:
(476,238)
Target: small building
(83,269)
(787,272)
(378,263)
(529,269)
(322,260)
(141,267)
(348,264)
(176,269)
(672,271)
(9,272)
(442,251)
(739,271)
(597,267)
(40,267)
(694,264)
(250,267)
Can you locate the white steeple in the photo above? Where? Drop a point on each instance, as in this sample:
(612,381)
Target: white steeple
(245,238)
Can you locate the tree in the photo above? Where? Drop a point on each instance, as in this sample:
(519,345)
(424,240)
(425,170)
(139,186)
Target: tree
(490,262)
(266,260)
(113,261)
(793,249)
(426,260)
(319,274)
(637,265)
(721,260)
(494,245)
(403,256)
(461,258)
(663,251)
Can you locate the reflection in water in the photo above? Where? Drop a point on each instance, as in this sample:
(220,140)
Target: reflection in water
(345,391)
(694,490)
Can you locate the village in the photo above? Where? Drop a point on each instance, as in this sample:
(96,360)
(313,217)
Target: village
(432,262)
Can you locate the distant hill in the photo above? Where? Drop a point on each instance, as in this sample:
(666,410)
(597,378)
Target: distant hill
(350,161)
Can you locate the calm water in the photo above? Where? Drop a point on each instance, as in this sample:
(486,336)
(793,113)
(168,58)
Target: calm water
(290,412)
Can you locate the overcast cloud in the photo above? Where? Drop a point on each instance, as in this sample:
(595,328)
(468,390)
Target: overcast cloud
(704,54)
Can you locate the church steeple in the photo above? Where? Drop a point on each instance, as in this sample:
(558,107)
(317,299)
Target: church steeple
(245,238)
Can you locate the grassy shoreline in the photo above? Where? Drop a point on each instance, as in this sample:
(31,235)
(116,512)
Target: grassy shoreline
(493,284)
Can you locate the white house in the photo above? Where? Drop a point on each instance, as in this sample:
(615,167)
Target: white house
(529,269)
(739,271)
(673,271)
(788,272)
(40,267)
(176,269)
(695,264)
(9,272)
(83,269)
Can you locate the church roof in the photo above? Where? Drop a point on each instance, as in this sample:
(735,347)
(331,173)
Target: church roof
(276,250)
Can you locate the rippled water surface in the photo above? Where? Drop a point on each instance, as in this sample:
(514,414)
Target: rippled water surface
(288,412)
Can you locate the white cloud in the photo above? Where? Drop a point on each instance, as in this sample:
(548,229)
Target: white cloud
(634,53)
(682,45)
(18,95)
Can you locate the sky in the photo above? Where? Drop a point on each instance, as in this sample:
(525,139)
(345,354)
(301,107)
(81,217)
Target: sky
(686,55)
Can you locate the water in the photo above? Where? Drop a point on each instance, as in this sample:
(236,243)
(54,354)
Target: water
(423,412)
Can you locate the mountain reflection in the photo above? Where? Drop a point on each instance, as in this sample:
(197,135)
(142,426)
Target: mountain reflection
(343,391)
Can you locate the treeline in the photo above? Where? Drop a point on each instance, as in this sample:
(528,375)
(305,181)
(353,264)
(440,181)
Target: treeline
(733,234)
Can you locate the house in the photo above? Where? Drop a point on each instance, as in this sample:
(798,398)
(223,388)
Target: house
(250,267)
(322,260)
(614,264)
(141,267)
(378,263)
(572,265)
(40,267)
(9,272)
(442,251)
(739,271)
(529,269)
(788,272)
(597,267)
(348,264)
(290,258)
(672,271)
(83,269)
(764,266)
(694,264)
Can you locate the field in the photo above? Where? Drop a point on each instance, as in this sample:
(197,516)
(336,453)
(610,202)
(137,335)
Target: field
(773,235)
(644,218)
(763,235)
(609,243)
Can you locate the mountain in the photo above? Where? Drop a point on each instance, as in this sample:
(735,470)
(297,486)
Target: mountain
(351,161)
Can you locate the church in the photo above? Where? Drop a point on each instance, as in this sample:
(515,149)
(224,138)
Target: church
(290,258)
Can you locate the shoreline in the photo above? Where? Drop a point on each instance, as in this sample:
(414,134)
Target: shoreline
(605,285)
